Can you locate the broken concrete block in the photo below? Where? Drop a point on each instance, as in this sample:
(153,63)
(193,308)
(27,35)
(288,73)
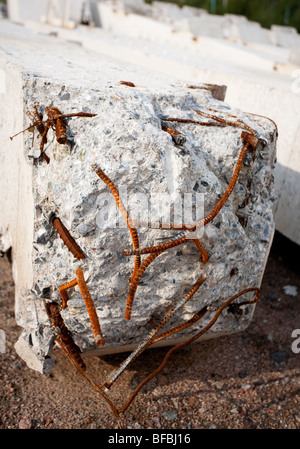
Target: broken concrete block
(40,359)
(132,140)
(137,7)
(54,11)
(165,11)
(190,11)
(285,36)
(294,56)
(19,10)
(210,25)
(250,32)
(117,20)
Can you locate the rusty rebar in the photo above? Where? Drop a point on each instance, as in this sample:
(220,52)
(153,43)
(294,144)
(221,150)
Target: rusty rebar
(190,340)
(147,341)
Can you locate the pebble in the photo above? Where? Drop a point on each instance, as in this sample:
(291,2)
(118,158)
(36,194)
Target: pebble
(156,421)
(25,423)
(279,356)
(2,342)
(218,384)
(16,365)
(245,386)
(48,421)
(290,290)
(163,380)
(170,416)
(193,400)
(137,425)
(65,96)
(270,337)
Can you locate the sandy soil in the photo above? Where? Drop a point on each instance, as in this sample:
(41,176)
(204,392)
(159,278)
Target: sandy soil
(250,380)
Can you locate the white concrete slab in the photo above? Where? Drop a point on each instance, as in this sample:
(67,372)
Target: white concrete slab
(137,7)
(26,9)
(294,56)
(250,32)
(51,10)
(190,11)
(167,12)
(285,36)
(207,25)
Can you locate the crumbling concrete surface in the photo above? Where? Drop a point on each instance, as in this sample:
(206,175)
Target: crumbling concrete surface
(128,140)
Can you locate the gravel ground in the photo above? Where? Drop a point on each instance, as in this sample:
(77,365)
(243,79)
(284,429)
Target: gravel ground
(250,380)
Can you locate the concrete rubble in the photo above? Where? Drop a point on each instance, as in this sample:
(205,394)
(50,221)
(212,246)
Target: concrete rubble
(127,140)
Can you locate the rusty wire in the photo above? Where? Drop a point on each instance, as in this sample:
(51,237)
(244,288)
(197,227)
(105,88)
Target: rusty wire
(66,237)
(80,281)
(133,231)
(148,340)
(56,120)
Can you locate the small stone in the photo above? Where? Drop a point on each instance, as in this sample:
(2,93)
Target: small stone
(279,356)
(219,385)
(65,97)
(260,382)
(2,342)
(192,400)
(170,416)
(17,365)
(25,423)
(272,297)
(42,238)
(196,187)
(48,421)
(270,337)
(290,290)
(156,421)
(163,380)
